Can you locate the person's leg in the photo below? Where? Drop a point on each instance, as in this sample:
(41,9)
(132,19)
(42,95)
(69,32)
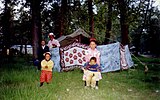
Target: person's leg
(48,77)
(85,83)
(96,83)
(42,78)
(88,78)
(84,77)
(41,84)
(94,80)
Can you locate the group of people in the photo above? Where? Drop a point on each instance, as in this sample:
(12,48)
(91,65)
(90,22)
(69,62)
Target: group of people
(91,69)
(44,56)
(52,43)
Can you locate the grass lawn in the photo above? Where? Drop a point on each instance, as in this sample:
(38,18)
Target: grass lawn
(19,80)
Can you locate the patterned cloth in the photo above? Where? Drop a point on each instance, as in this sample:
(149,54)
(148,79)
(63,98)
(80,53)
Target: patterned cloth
(73,56)
(110,57)
(123,62)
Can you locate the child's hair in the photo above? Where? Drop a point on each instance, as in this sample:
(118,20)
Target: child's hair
(43,40)
(93,58)
(47,53)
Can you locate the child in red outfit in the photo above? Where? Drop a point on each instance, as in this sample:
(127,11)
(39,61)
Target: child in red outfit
(46,69)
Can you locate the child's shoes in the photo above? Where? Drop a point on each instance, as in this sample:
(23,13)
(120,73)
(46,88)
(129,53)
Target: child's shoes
(96,87)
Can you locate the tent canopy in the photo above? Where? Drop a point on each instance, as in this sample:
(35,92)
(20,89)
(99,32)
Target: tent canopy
(76,36)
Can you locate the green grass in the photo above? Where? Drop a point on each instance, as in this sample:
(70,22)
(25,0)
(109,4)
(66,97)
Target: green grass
(19,80)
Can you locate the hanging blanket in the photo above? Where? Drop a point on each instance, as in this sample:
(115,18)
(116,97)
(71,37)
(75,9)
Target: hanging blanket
(110,57)
(128,57)
(114,57)
(72,56)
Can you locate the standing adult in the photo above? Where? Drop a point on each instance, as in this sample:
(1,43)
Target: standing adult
(54,45)
(42,50)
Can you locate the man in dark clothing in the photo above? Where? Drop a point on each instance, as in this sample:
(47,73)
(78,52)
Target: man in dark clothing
(43,49)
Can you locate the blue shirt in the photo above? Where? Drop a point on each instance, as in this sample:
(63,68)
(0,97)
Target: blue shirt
(93,68)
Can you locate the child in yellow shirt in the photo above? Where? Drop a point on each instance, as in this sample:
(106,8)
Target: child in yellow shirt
(46,69)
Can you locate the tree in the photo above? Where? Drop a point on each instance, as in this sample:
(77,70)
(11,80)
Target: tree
(154,35)
(7,23)
(64,10)
(91,21)
(109,22)
(36,26)
(122,4)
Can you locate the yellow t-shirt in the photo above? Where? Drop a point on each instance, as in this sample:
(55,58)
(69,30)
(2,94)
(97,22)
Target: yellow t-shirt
(49,64)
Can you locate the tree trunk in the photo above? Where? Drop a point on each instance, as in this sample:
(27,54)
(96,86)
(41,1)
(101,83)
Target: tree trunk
(6,24)
(36,27)
(109,22)
(91,21)
(123,21)
(64,8)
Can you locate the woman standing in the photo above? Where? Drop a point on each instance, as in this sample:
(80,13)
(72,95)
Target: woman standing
(54,45)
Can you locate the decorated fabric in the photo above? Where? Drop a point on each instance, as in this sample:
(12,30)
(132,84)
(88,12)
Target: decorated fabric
(128,57)
(55,58)
(113,57)
(73,56)
(123,61)
(110,57)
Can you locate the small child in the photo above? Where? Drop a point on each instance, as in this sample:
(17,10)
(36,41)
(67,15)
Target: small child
(92,72)
(46,69)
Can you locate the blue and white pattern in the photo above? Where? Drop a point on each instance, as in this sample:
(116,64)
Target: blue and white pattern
(110,57)
(56,58)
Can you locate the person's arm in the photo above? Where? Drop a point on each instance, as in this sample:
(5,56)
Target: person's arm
(47,49)
(84,67)
(98,68)
(57,43)
(43,64)
(87,56)
(49,44)
(50,65)
(98,58)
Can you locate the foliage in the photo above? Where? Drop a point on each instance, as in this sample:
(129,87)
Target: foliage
(74,14)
